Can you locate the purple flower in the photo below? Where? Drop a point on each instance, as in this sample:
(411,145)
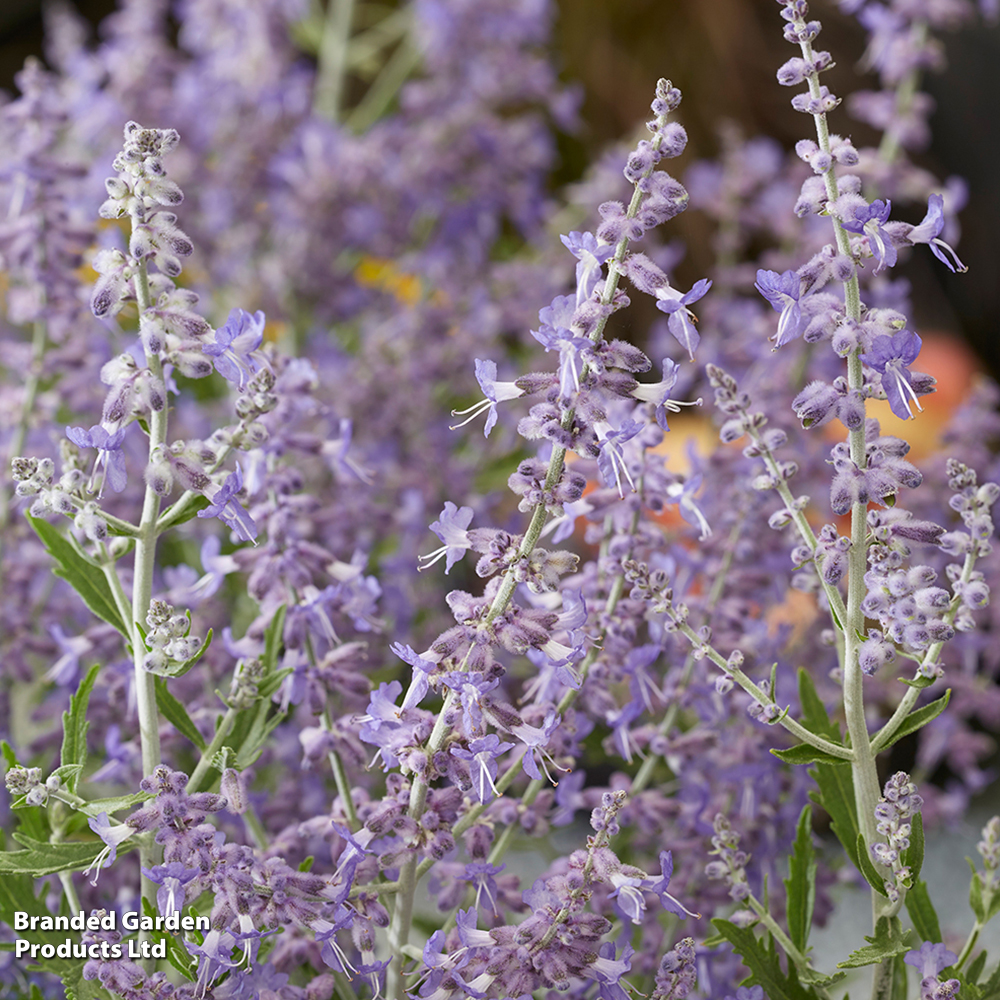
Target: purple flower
(171,878)
(451,527)
(658,393)
(609,972)
(611,460)
(660,886)
(930,959)
(227,508)
(748,993)
(110,447)
(891,358)
(494,391)
(930,229)
(482,757)
(782,291)
(112,834)
(480,874)
(234,343)
(870,221)
(590,256)
(681,321)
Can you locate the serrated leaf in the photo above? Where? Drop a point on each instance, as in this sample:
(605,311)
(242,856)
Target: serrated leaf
(923,914)
(46,859)
(806,754)
(80,572)
(919,682)
(888,941)
(177,714)
(835,784)
(273,639)
(813,978)
(976,894)
(180,669)
(800,886)
(867,868)
(914,721)
(272,682)
(975,969)
(991,988)
(114,803)
(913,856)
(75,726)
(177,954)
(763,963)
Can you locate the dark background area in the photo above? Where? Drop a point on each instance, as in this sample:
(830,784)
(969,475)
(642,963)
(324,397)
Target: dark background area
(723,55)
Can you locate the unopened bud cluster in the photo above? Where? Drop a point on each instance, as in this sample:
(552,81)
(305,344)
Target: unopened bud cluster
(168,638)
(27,781)
(894,812)
(732,864)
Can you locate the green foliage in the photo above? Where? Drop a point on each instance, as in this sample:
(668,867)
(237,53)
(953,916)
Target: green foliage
(81,572)
(888,941)
(42,858)
(800,886)
(763,963)
(75,726)
(867,867)
(806,754)
(177,954)
(922,913)
(913,856)
(835,791)
(173,710)
(914,721)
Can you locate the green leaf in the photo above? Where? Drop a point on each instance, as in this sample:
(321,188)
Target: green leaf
(919,682)
(177,954)
(813,978)
(923,914)
(888,941)
(45,859)
(75,725)
(181,668)
(273,639)
(835,784)
(975,970)
(272,682)
(763,963)
(306,865)
(914,721)
(913,856)
(114,803)
(991,988)
(173,710)
(976,894)
(806,754)
(800,886)
(81,572)
(867,868)
(900,979)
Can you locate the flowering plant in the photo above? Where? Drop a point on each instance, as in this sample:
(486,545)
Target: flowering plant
(584,775)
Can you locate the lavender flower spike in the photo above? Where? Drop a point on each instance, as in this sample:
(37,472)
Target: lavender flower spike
(891,358)
(227,508)
(494,391)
